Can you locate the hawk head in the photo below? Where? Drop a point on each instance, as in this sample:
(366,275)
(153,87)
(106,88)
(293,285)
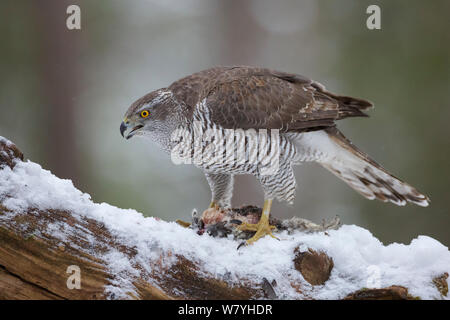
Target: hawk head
(147,114)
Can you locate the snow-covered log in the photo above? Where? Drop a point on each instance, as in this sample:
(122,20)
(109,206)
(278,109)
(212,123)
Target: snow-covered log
(55,243)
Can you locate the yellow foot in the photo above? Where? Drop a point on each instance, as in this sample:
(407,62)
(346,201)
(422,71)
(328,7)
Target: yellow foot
(262,229)
(213,205)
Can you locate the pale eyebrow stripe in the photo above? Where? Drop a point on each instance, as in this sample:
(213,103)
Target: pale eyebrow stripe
(163,95)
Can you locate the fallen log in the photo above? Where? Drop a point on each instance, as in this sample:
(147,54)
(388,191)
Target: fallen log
(57,244)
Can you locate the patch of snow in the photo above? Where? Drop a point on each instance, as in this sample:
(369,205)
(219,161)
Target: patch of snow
(5,141)
(58,230)
(360,260)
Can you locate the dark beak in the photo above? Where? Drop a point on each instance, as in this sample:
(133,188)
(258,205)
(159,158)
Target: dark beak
(123,128)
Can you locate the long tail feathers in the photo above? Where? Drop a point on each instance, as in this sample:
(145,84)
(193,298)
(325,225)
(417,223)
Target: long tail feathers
(367,177)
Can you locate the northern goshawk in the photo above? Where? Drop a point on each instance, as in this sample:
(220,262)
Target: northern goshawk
(244,108)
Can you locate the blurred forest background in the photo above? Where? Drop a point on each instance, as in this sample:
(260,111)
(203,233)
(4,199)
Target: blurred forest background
(63,95)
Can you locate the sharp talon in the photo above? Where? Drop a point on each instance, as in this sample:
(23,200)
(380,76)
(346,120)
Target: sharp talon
(236,221)
(270,234)
(262,228)
(242,244)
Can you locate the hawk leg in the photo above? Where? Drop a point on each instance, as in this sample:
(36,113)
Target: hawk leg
(221,189)
(263,227)
(213,205)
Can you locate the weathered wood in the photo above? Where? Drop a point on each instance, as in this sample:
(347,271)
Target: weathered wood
(34,266)
(34,262)
(389,293)
(314,266)
(12,287)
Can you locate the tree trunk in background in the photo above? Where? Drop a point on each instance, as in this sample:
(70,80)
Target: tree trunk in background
(59,51)
(243,39)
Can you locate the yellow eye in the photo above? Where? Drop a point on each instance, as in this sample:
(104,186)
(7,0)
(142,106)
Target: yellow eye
(145,114)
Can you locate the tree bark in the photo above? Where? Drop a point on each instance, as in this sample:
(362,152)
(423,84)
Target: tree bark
(34,263)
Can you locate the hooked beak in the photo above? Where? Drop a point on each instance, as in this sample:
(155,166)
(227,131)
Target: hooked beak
(127,131)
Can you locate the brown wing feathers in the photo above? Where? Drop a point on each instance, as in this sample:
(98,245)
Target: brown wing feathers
(245,97)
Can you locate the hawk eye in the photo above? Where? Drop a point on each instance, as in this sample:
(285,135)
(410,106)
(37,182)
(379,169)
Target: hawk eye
(144,114)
